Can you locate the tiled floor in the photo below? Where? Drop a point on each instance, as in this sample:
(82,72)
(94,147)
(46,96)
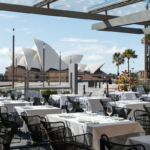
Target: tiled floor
(22,145)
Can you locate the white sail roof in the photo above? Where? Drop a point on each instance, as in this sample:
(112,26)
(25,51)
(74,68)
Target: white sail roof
(63,66)
(22,62)
(29,55)
(74,59)
(16,58)
(93,67)
(51,57)
(82,66)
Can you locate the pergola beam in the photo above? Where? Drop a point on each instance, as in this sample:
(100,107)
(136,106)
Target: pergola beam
(128,30)
(135,18)
(111,6)
(43,3)
(53,12)
(124,30)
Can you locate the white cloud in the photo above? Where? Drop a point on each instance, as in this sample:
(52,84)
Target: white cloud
(79,40)
(23,20)
(4,51)
(100,49)
(8,16)
(119,12)
(92,57)
(28,33)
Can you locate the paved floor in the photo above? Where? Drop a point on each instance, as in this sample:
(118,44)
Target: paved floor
(22,145)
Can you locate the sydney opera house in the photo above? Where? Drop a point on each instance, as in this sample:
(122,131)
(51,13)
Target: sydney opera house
(32,61)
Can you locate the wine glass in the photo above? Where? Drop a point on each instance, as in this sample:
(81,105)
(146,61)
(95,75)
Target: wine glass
(16,96)
(109,110)
(70,106)
(133,96)
(84,107)
(42,100)
(8,95)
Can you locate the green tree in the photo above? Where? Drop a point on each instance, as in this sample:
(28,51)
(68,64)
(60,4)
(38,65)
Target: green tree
(118,60)
(129,53)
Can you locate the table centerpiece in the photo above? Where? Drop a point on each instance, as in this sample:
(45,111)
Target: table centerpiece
(124,81)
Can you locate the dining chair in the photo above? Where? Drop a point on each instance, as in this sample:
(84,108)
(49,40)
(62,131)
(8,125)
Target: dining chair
(60,136)
(76,104)
(37,134)
(72,146)
(141,117)
(104,105)
(105,144)
(37,101)
(51,126)
(7,135)
(121,111)
(8,120)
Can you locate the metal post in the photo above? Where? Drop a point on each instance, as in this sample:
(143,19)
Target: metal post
(16,68)
(105,12)
(43,61)
(13,53)
(48,5)
(60,69)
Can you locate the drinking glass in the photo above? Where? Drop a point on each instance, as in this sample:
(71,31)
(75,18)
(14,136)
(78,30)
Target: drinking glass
(42,100)
(84,107)
(109,110)
(63,111)
(116,117)
(16,96)
(62,91)
(70,106)
(133,96)
(8,95)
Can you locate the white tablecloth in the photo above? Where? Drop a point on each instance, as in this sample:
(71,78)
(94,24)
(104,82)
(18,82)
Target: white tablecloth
(144,140)
(63,98)
(106,126)
(10,104)
(129,95)
(41,111)
(5,98)
(130,104)
(94,102)
(34,94)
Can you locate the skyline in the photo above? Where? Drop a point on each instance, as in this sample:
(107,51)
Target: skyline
(96,46)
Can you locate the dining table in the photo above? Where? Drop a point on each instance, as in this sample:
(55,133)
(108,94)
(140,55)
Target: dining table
(80,123)
(62,98)
(125,95)
(144,140)
(94,102)
(134,105)
(41,111)
(10,104)
(5,98)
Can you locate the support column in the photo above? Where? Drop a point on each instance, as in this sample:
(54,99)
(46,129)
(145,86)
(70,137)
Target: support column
(43,61)
(13,56)
(73,77)
(60,69)
(48,5)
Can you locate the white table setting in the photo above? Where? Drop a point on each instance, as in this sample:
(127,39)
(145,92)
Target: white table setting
(5,98)
(32,94)
(126,95)
(10,104)
(144,140)
(62,98)
(94,102)
(79,123)
(41,111)
(131,104)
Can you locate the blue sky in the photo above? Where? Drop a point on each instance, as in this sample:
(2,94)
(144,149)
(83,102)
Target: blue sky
(70,36)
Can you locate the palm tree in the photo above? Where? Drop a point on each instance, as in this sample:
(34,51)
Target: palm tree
(118,60)
(129,53)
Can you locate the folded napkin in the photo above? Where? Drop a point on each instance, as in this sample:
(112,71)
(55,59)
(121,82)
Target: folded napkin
(92,123)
